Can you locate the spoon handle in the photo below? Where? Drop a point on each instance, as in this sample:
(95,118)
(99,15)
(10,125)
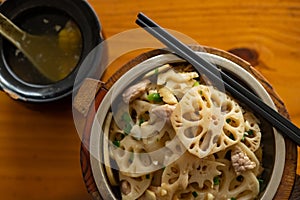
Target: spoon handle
(11,31)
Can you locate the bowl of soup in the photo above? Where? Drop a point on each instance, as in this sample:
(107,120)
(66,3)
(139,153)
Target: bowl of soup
(77,29)
(161,130)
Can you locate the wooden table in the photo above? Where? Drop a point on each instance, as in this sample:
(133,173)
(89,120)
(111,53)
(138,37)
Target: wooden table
(39,148)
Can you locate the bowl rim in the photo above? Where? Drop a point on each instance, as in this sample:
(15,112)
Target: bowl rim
(140,69)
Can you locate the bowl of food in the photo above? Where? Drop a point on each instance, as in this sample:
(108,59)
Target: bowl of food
(74,29)
(169,134)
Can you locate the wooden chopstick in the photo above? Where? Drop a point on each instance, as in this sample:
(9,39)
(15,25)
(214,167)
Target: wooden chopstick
(220,79)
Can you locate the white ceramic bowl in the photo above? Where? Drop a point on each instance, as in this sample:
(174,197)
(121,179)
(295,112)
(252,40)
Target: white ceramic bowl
(273,143)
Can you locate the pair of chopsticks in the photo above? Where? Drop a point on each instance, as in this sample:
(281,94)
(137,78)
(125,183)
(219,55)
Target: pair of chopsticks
(220,79)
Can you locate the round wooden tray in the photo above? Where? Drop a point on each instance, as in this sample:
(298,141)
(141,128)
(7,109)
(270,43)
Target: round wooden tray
(289,187)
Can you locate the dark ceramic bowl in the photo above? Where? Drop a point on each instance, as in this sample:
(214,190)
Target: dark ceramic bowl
(58,12)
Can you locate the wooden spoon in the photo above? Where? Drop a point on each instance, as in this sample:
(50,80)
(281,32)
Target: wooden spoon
(54,56)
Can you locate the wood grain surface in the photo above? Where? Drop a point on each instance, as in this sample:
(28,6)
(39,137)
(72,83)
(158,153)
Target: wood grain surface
(39,148)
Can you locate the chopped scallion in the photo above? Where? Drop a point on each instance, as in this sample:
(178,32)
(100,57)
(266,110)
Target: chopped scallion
(250,132)
(197,84)
(216,180)
(260,181)
(243,138)
(155,97)
(195,194)
(141,121)
(116,143)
